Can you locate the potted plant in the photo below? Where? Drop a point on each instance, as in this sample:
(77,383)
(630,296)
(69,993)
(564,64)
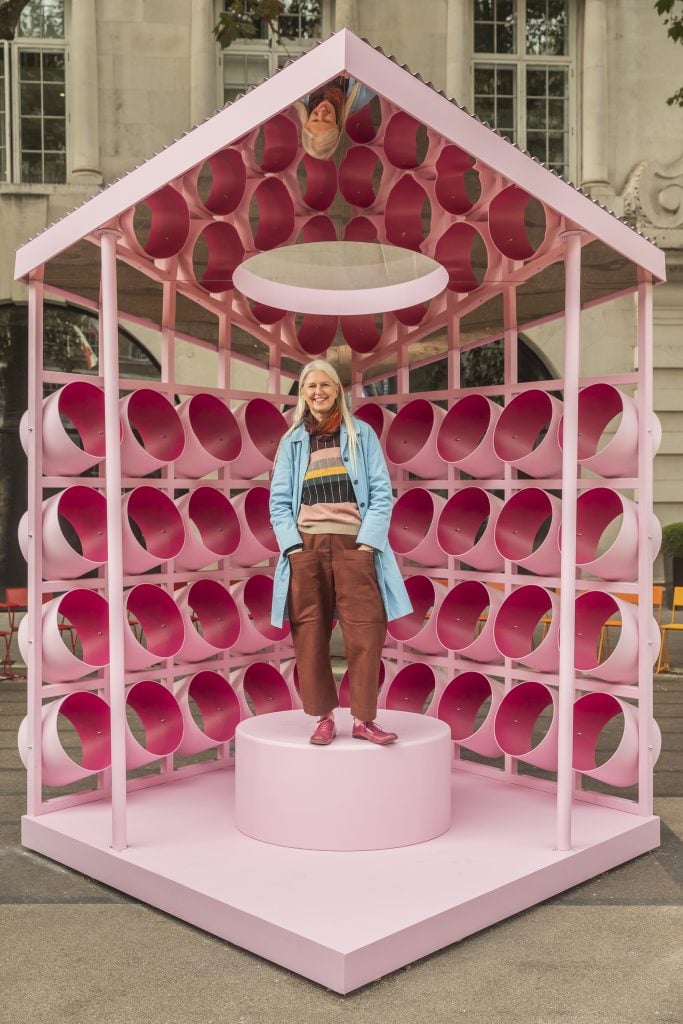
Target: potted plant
(672,554)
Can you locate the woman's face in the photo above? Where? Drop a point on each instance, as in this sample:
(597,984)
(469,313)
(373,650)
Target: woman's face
(321,117)
(320,394)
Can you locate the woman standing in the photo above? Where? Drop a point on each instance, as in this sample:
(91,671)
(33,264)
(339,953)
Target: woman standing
(330,506)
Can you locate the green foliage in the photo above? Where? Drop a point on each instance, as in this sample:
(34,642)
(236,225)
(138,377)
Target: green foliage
(671,11)
(672,540)
(243,19)
(10,11)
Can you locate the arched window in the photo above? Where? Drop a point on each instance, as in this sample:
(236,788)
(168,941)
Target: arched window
(479,367)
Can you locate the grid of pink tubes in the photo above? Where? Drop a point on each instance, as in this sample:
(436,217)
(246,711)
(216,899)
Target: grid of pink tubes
(473,622)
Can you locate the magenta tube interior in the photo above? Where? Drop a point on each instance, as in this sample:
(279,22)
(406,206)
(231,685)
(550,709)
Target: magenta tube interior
(454,169)
(88,713)
(224,253)
(358,176)
(362,332)
(463,519)
(265,425)
(407,214)
(422,597)
(215,520)
(454,251)
(401,141)
(462,701)
(215,611)
(372,414)
(596,509)
(593,610)
(88,613)
(228,178)
(521,525)
(83,404)
(156,424)
(266,688)
(460,612)
(518,618)
(85,509)
(257,515)
(592,712)
(316,333)
(411,520)
(160,525)
(215,427)
(411,688)
(275,214)
(410,431)
(319,228)
(599,405)
(159,619)
(522,424)
(280,143)
(159,714)
(217,703)
(170,223)
(507,223)
(464,428)
(321,183)
(517,716)
(258,598)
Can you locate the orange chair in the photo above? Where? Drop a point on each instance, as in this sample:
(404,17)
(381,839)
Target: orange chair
(7,668)
(668,627)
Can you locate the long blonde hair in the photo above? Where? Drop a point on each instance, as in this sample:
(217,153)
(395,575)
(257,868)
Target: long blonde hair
(300,409)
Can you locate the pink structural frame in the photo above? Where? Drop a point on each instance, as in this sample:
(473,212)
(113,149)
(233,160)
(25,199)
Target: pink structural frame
(169,835)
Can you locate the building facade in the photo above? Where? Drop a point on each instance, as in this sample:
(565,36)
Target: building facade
(92,88)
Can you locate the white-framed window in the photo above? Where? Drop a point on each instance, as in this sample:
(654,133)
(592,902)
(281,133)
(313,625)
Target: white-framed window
(524,75)
(33,105)
(247,62)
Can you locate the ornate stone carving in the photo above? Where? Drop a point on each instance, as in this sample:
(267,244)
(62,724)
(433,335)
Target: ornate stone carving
(653,201)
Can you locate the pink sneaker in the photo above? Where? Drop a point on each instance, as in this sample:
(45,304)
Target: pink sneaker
(371,731)
(324,733)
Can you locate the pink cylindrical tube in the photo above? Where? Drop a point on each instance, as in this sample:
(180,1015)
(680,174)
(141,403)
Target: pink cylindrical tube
(518,727)
(465,437)
(412,531)
(460,705)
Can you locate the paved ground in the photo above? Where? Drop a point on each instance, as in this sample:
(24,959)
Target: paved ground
(607,952)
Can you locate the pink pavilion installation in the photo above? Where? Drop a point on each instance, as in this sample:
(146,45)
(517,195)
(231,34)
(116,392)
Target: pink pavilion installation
(522,523)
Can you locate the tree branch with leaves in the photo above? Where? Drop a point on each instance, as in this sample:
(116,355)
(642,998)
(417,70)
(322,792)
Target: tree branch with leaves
(242,19)
(671,12)
(10,12)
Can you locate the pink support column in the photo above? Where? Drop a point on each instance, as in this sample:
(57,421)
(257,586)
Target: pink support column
(646,655)
(109,342)
(34,668)
(572,362)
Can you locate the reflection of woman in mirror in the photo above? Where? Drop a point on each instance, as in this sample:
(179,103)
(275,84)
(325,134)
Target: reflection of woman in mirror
(323,114)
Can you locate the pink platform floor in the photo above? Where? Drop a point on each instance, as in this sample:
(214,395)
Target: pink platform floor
(389,908)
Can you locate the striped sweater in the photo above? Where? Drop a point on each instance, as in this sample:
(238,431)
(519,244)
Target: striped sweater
(328,502)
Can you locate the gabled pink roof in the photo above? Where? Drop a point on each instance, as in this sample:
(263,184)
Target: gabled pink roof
(342,52)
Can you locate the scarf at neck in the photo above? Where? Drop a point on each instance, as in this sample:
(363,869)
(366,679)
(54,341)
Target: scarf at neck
(329,426)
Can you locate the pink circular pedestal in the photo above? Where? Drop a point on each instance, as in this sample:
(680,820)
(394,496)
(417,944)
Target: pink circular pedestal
(351,795)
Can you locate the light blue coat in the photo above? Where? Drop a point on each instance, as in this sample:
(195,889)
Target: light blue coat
(372,487)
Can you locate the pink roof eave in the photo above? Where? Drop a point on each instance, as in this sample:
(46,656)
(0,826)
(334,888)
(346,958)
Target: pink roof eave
(343,51)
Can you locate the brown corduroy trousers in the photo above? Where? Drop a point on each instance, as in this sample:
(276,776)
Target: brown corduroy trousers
(332,573)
